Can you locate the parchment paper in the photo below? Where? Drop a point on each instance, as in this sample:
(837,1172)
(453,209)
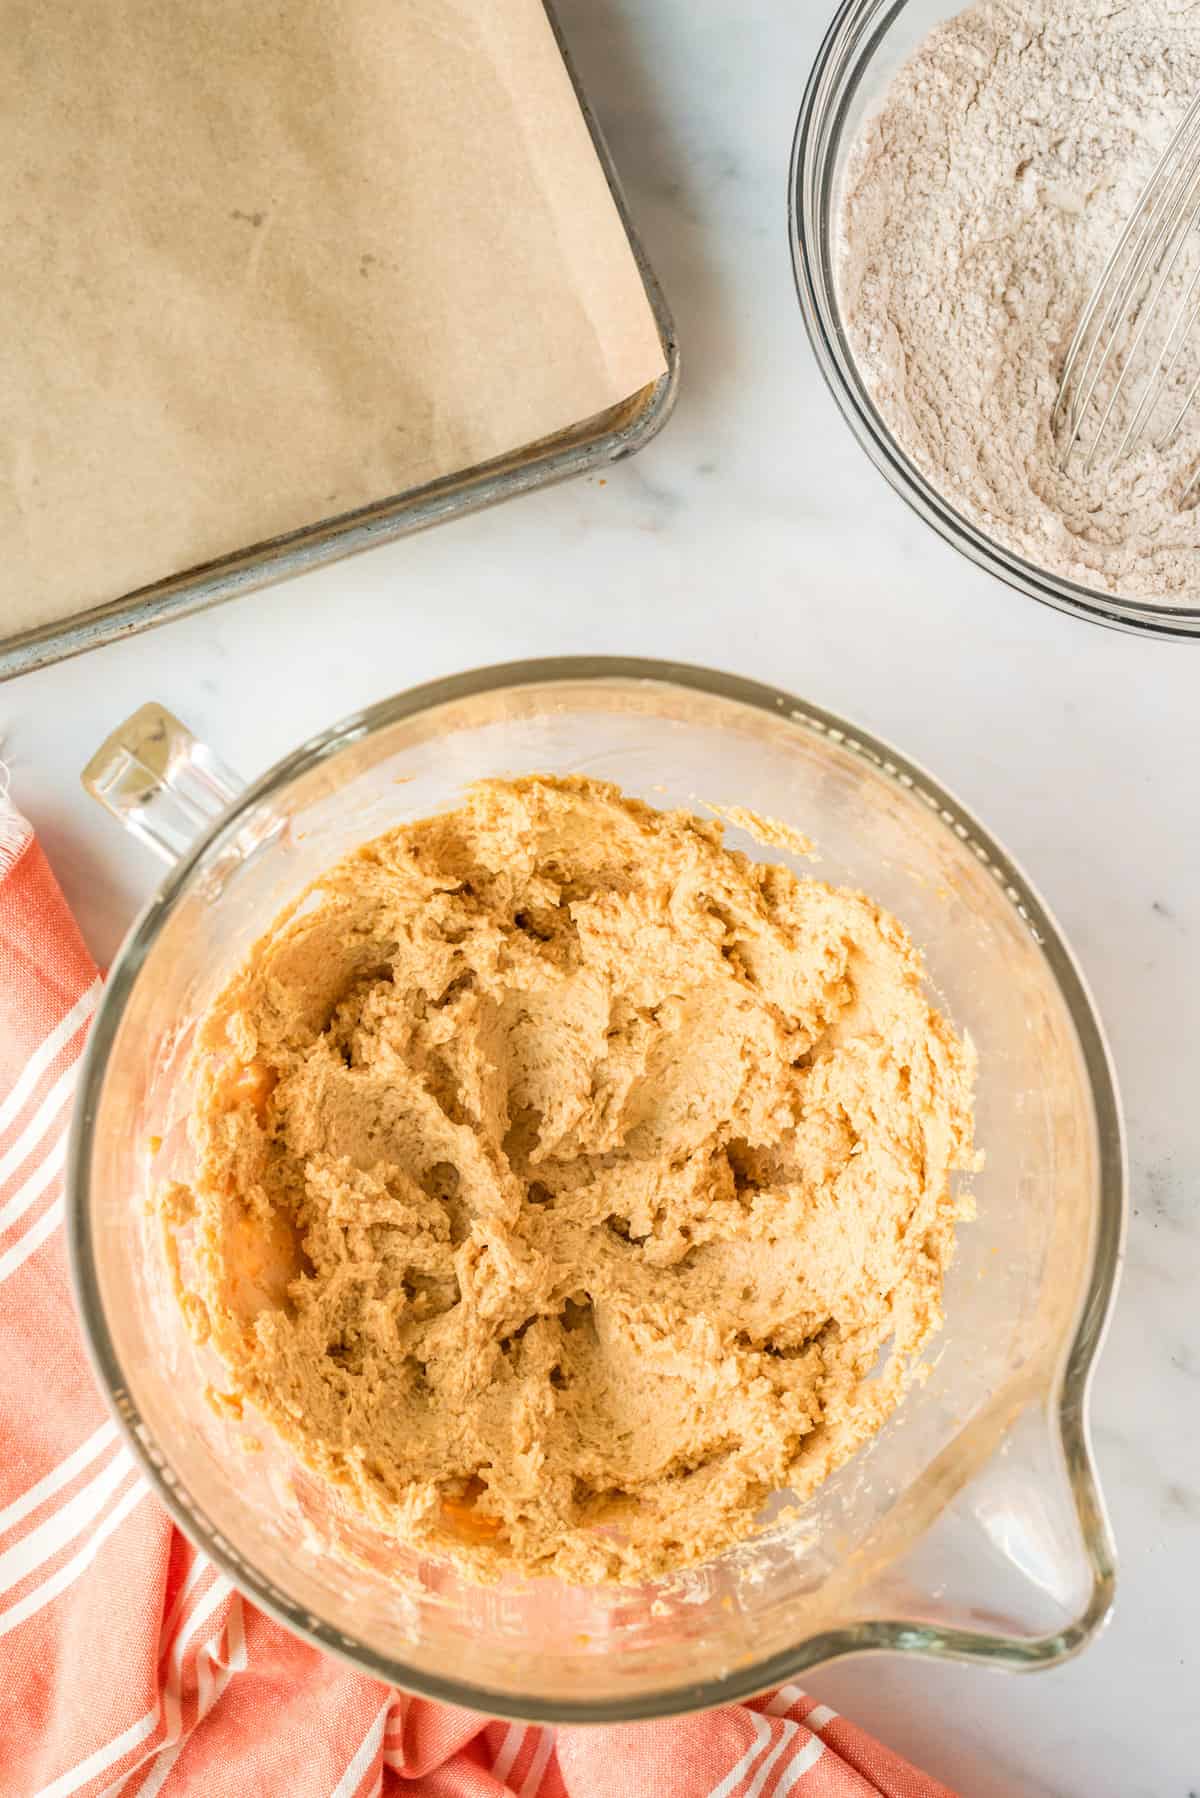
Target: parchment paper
(265,263)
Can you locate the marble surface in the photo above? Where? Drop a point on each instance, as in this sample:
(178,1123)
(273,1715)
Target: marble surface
(755,536)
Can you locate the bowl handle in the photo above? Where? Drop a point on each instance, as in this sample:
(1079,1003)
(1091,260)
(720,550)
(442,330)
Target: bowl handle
(158,781)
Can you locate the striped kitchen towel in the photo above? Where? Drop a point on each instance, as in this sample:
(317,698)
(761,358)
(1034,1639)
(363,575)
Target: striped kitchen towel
(128,1662)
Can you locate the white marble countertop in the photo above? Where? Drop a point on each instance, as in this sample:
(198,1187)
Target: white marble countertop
(754,535)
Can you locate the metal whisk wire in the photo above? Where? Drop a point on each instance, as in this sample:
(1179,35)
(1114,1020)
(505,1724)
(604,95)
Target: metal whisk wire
(1128,298)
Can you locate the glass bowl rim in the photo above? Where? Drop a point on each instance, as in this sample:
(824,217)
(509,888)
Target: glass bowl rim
(1072,1397)
(855,34)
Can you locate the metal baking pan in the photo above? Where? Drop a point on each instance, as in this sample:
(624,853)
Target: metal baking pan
(620,431)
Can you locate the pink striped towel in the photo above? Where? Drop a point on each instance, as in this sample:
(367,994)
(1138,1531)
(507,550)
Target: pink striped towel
(128,1662)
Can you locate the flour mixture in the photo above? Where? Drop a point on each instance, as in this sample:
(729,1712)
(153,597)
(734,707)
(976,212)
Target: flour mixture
(563,1174)
(980,206)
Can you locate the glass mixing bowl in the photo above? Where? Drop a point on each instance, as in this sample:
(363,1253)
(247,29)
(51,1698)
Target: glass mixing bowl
(971,1527)
(867,43)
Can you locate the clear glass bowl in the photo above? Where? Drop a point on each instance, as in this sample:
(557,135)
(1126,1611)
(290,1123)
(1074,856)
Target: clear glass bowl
(971,1527)
(867,43)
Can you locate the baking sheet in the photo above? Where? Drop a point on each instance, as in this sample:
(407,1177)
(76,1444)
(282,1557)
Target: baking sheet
(428,272)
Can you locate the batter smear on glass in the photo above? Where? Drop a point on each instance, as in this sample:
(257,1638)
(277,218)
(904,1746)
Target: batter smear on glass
(562,1174)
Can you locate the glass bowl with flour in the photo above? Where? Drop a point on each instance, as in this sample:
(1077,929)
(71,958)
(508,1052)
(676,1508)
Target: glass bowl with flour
(958,179)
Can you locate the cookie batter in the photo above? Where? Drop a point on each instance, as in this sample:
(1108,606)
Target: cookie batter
(562,1174)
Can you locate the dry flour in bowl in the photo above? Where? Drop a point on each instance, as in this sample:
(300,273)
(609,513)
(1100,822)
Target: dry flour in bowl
(979,205)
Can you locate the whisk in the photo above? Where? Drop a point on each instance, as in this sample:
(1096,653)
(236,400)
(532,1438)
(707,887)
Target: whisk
(1121,329)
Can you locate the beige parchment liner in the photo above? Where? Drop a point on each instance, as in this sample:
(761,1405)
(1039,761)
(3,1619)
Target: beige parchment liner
(264,266)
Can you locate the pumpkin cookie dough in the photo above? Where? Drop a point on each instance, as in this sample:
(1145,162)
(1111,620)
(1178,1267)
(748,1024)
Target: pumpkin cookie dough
(562,1174)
